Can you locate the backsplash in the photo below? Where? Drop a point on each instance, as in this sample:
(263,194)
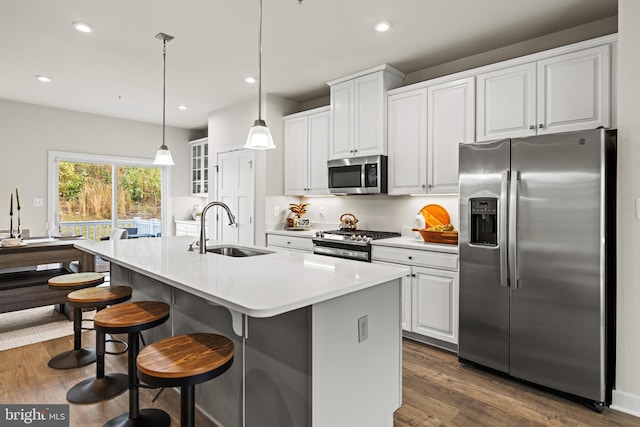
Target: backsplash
(380,212)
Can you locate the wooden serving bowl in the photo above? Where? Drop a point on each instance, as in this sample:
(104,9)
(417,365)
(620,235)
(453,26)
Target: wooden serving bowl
(445,237)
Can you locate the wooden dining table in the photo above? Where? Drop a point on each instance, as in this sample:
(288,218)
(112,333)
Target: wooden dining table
(24,285)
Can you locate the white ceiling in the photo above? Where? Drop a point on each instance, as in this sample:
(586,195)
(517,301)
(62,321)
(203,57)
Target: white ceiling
(117,69)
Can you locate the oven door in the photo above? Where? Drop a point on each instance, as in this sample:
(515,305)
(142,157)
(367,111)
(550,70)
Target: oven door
(354,250)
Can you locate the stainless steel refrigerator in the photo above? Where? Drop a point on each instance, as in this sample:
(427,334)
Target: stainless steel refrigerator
(537,260)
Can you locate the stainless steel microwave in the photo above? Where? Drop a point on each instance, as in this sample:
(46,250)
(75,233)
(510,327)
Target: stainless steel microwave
(358,175)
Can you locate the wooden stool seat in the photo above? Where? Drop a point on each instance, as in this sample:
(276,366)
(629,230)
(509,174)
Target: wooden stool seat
(78,356)
(184,361)
(76,281)
(99,296)
(132,318)
(100,387)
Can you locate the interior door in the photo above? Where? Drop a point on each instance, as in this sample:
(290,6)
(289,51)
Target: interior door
(236,190)
(556,324)
(484,297)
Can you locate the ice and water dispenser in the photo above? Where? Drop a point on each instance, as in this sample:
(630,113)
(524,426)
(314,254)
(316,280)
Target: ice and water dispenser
(484,222)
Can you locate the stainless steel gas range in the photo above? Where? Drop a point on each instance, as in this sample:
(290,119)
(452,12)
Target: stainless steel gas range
(351,244)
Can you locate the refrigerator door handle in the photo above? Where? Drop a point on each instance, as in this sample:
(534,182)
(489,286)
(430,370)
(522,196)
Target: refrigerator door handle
(513,229)
(503,224)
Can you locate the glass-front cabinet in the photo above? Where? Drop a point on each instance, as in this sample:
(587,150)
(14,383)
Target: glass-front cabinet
(199,167)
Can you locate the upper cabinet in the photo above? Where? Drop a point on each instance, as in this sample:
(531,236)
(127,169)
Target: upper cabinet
(425,126)
(561,93)
(358,112)
(306,140)
(199,167)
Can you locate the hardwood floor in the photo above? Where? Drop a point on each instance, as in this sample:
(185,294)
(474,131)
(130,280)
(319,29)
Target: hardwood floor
(27,379)
(438,391)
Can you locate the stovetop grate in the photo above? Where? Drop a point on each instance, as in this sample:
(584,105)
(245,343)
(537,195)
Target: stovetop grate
(366,233)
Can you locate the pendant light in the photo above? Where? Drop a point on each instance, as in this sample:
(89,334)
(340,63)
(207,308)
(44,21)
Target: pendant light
(259,135)
(163,155)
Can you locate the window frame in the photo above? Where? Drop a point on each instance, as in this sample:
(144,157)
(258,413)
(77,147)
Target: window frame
(54,157)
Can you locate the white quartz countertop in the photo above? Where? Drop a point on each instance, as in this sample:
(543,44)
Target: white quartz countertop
(294,233)
(258,286)
(416,243)
(398,242)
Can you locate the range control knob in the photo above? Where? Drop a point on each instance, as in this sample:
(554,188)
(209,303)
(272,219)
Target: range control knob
(354,237)
(368,239)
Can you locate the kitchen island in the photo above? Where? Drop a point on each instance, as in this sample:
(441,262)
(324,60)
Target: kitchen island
(317,339)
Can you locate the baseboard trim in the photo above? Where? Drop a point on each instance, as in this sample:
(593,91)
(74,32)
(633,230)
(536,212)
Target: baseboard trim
(626,402)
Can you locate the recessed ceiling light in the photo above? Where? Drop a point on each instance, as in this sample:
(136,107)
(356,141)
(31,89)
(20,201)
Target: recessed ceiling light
(250,80)
(82,27)
(44,79)
(382,26)
(182,107)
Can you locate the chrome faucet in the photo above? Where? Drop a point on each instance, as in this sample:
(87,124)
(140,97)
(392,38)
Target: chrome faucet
(203,222)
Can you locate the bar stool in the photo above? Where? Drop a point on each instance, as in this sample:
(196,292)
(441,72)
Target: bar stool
(184,361)
(132,318)
(100,387)
(78,356)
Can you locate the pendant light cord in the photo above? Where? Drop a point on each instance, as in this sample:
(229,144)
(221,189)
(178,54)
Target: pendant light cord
(164,87)
(260,61)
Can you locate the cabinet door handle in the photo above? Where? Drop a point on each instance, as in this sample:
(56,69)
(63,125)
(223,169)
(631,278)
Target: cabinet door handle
(430,185)
(355,151)
(413,274)
(540,125)
(532,127)
(410,257)
(424,186)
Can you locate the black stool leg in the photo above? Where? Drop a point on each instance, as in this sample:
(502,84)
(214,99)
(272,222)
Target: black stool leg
(78,356)
(102,387)
(137,417)
(188,406)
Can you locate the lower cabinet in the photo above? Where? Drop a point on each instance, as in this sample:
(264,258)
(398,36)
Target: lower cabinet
(188,228)
(280,242)
(429,292)
(434,297)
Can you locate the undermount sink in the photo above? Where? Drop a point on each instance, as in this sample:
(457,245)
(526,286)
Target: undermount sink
(236,251)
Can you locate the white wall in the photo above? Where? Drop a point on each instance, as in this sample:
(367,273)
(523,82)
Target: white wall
(228,128)
(29,131)
(627,391)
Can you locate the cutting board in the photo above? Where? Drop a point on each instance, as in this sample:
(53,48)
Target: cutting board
(435,215)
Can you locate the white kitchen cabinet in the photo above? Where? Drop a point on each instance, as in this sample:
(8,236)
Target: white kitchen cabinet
(407,131)
(425,127)
(450,122)
(562,93)
(187,228)
(306,141)
(430,292)
(434,298)
(358,112)
(290,243)
(199,167)
(405,312)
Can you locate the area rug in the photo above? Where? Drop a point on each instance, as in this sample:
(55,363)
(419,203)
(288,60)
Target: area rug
(25,327)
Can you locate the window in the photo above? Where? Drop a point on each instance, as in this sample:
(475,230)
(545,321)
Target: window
(90,195)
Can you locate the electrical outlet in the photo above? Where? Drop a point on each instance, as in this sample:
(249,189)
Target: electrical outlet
(276,211)
(38,203)
(363,328)
(322,213)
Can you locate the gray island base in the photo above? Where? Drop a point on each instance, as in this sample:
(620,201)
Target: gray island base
(333,362)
